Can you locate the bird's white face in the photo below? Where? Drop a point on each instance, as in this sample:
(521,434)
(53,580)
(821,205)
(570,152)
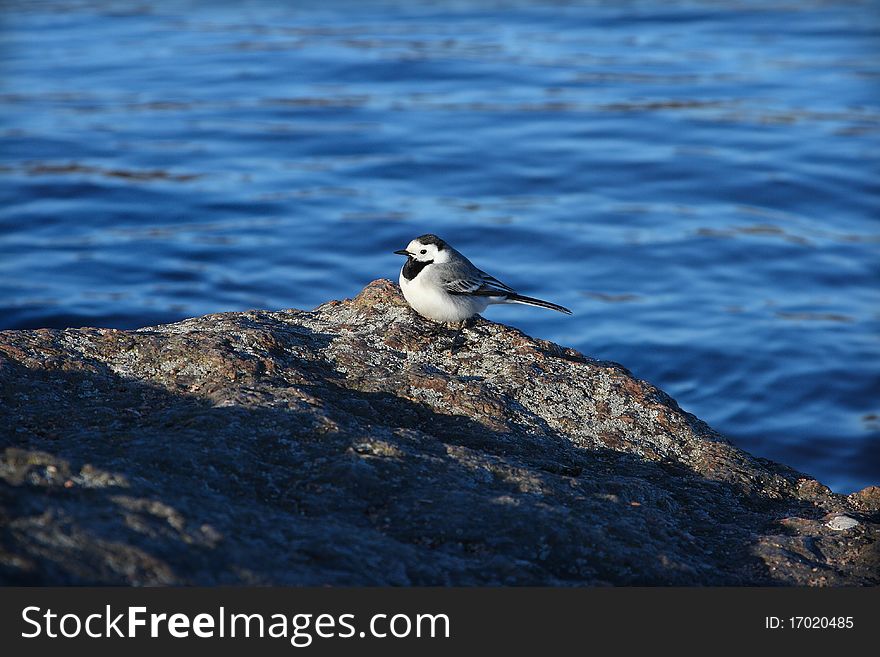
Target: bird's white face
(426,252)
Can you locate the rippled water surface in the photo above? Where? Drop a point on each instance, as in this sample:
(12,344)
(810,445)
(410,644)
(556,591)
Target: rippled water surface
(698,181)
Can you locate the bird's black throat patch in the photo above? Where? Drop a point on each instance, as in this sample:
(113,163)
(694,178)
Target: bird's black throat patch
(412,267)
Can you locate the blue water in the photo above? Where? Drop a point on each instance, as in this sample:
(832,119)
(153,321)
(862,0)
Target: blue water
(698,181)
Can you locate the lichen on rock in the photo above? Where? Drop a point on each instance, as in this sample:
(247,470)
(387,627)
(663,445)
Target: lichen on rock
(348,445)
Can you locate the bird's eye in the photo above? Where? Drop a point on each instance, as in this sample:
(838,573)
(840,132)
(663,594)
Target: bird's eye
(423,251)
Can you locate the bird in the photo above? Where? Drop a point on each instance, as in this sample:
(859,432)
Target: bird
(441,284)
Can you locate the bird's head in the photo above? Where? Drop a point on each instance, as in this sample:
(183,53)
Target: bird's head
(427,248)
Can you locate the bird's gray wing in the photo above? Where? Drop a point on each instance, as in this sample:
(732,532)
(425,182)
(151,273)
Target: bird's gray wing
(474,282)
(494,282)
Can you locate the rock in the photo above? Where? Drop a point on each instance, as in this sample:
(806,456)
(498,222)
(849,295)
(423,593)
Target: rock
(346,445)
(841,522)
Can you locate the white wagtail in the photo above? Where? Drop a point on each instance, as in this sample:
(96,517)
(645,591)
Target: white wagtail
(441,284)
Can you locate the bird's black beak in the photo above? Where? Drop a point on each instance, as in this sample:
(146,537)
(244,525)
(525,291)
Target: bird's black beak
(402,252)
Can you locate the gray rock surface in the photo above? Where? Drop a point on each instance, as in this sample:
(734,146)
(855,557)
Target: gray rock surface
(347,446)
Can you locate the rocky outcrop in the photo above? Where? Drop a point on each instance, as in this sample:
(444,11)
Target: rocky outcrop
(349,445)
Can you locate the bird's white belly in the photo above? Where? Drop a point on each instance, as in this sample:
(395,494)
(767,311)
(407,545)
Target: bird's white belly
(432,302)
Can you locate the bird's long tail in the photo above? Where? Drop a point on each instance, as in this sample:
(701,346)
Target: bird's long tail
(531,301)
